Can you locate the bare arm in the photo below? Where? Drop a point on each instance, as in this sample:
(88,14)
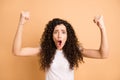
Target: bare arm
(17,43)
(102,52)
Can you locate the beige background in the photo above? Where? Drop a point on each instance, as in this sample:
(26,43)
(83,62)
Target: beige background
(80,14)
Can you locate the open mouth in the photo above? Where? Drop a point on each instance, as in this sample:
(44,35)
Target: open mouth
(59,42)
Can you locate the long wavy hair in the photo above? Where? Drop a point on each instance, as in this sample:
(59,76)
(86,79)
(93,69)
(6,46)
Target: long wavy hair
(71,49)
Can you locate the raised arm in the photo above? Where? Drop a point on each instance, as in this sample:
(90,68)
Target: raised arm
(17,43)
(102,52)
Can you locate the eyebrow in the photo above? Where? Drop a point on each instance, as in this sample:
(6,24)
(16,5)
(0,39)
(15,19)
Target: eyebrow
(61,30)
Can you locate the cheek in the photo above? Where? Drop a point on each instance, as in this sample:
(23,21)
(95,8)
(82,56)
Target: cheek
(54,38)
(65,38)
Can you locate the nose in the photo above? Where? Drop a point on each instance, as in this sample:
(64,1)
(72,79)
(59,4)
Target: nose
(59,35)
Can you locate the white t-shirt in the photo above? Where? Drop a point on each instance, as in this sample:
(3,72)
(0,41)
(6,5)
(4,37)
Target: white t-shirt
(59,69)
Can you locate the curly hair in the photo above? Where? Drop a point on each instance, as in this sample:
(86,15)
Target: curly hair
(71,49)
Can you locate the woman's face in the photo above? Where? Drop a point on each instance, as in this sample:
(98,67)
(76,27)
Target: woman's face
(60,36)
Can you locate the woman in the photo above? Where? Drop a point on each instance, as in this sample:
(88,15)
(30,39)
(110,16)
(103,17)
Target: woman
(60,50)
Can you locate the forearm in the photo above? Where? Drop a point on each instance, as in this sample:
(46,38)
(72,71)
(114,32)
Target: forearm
(17,43)
(104,43)
(102,52)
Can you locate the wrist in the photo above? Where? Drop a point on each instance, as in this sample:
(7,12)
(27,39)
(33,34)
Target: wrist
(102,28)
(20,23)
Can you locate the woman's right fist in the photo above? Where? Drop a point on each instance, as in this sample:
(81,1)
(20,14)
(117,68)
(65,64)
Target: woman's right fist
(24,16)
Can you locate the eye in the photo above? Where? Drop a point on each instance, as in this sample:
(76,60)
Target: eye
(64,32)
(55,32)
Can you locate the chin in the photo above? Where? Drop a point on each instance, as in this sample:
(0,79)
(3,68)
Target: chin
(59,48)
